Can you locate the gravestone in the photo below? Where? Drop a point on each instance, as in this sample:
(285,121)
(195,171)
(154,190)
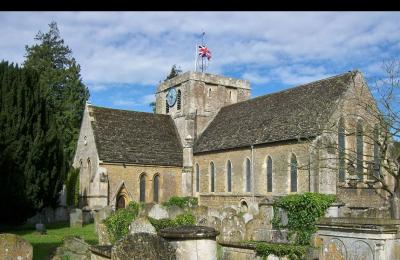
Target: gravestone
(102,235)
(100,215)
(14,247)
(158,212)
(143,246)
(41,228)
(141,225)
(174,211)
(76,218)
(72,248)
(233,229)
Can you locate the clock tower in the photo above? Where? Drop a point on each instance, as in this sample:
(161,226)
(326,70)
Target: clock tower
(192,100)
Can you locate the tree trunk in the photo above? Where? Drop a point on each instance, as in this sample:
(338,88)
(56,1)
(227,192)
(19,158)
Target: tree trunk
(395,206)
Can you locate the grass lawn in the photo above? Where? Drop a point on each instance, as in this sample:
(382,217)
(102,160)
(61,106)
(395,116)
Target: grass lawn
(44,245)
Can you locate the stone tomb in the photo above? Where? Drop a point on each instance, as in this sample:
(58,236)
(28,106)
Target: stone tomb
(192,242)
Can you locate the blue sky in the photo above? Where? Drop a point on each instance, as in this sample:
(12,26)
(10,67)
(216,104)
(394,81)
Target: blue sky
(124,55)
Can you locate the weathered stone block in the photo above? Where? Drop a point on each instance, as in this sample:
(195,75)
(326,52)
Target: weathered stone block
(158,212)
(174,211)
(14,247)
(143,246)
(141,225)
(76,218)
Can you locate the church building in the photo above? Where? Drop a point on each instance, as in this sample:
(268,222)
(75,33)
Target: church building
(210,139)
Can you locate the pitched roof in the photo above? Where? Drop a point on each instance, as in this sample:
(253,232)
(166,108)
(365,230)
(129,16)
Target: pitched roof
(136,137)
(294,113)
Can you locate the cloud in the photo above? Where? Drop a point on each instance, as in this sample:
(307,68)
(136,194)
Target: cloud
(128,50)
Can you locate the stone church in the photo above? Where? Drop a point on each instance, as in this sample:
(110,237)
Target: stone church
(210,139)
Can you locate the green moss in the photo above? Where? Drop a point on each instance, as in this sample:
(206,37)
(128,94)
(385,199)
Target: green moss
(118,222)
(182,202)
(180,220)
(280,250)
(303,210)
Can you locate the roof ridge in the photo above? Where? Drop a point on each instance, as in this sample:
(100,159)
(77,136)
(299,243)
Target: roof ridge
(125,110)
(292,88)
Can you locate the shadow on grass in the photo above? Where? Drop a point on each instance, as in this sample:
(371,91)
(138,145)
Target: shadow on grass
(44,250)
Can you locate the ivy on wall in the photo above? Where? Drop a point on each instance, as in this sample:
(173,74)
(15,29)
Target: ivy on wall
(302,210)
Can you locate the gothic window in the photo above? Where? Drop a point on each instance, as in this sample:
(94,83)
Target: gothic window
(212,176)
(155,188)
(209,92)
(293,173)
(142,188)
(179,100)
(248,175)
(197,178)
(269,174)
(376,153)
(360,149)
(229,175)
(166,107)
(89,170)
(341,149)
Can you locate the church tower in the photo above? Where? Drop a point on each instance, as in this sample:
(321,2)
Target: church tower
(192,100)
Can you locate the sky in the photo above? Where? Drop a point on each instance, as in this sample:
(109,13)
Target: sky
(124,55)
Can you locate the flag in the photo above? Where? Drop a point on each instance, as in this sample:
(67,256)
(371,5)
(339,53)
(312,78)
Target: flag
(204,52)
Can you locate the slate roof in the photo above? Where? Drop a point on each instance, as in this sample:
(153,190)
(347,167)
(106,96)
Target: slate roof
(294,113)
(136,137)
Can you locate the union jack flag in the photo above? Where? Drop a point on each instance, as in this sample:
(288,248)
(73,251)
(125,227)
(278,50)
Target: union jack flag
(204,52)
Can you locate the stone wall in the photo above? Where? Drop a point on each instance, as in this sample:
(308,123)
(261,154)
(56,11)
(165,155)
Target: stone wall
(129,176)
(280,154)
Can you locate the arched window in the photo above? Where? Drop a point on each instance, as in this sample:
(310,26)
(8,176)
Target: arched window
(89,170)
(269,174)
(142,188)
(341,150)
(197,178)
(209,92)
(293,173)
(229,175)
(155,188)
(166,107)
(377,162)
(179,100)
(212,177)
(248,175)
(360,149)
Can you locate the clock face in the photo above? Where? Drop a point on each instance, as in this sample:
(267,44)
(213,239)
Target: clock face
(171,97)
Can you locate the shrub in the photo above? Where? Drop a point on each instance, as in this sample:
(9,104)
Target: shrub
(303,210)
(182,202)
(281,250)
(118,222)
(72,187)
(180,220)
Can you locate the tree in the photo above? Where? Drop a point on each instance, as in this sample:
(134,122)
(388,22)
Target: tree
(32,159)
(153,106)
(174,72)
(59,74)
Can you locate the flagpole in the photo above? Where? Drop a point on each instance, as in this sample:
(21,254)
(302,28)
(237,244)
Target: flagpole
(195,58)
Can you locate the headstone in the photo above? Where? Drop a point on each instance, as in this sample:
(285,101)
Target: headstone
(61,214)
(75,218)
(100,215)
(174,211)
(41,228)
(102,234)
(158,212)
(143,246)
(233,229)
(14,247)
(72,248)
(141,225)
(247,217)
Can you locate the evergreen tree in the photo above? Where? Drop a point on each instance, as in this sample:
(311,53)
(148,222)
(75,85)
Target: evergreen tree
(32,159)
(59,74)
